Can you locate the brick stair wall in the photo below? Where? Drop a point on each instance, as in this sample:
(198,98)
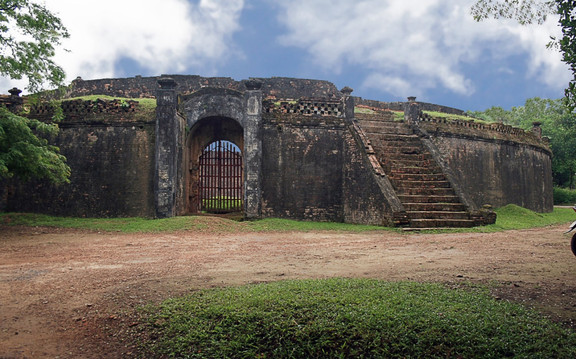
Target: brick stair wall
(423,189)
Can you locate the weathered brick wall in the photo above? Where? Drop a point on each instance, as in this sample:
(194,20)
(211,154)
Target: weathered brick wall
(302,163)
(145,87)
(496,165)
(112,160)
(315,169)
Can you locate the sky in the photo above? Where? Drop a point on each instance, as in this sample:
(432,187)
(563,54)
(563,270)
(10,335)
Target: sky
(385,50)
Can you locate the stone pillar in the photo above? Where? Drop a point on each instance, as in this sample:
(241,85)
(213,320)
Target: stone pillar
(16,101)
(348,103)
(536,129)
(166,148)
(411,111)
(253,149)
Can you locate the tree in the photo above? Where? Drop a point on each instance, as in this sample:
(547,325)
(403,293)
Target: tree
(523,11)
(26,155)
(536,11)
(29,35)
(567,45)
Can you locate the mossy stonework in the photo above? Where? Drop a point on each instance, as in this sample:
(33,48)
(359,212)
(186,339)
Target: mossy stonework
(305,154)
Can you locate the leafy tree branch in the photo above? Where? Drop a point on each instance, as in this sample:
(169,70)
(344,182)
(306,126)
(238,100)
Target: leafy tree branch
(536,11)
(29,36)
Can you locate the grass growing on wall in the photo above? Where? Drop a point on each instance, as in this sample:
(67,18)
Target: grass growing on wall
(145,103)
(351,318)
(452,116)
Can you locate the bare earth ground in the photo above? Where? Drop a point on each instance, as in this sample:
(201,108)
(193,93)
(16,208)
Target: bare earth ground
(74,294)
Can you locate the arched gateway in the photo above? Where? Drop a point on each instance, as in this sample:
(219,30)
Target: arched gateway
(208,150)
(214,180)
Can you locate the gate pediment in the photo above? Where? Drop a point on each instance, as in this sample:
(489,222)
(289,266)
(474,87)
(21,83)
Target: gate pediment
(212,102)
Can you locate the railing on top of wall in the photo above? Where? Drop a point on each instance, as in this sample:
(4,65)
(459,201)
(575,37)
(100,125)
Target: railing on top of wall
(321,107)
(498,127)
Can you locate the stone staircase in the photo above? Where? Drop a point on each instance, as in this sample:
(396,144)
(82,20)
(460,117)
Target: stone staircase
(420,184)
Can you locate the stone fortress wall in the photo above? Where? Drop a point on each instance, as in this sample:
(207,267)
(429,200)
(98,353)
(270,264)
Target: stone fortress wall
(308,156)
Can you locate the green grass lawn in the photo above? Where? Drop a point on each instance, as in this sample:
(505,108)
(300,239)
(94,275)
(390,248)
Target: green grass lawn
(350,318)
(509,217)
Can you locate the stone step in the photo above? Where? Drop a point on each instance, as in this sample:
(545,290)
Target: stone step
(422,184)
(390,138)
(439,223)
(400,157)
(417,177)
(385,128)
(397,170)
(416,198)
(387,117)
(437,215)
(399,164)
(405,150)
(426,191)
(426,194)
(380,121)
(453,207)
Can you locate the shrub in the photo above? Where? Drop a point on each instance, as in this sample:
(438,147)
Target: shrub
(564,196)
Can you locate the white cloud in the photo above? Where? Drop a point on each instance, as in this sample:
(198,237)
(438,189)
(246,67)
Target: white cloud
(163,37)
(424,44)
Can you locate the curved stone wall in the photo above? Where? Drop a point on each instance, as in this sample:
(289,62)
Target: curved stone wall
(494,164)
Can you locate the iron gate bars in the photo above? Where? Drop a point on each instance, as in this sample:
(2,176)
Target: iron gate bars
(220,183)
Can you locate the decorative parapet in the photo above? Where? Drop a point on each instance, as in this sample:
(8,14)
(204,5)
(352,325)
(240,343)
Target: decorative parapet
(306,107)
(492,131)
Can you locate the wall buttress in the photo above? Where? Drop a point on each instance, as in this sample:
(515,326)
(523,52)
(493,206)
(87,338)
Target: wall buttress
(253,150)
(166,149)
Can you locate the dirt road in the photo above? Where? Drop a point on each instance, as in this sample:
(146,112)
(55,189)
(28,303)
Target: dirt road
(73,294)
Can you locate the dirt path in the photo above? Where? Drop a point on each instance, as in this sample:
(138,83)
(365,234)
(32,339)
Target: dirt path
(72,294)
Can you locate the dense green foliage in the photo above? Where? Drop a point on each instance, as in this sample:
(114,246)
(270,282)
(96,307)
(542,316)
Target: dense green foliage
(558,123)
(351,318)
(567,45)
(564,196)
(29,36)
(25,153)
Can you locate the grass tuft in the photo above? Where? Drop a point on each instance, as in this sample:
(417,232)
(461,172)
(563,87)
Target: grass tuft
(351,318)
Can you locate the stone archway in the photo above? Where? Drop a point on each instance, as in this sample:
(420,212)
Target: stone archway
(186,124)
(203,134)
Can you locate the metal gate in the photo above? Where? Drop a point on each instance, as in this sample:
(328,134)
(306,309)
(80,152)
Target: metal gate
(220,183)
